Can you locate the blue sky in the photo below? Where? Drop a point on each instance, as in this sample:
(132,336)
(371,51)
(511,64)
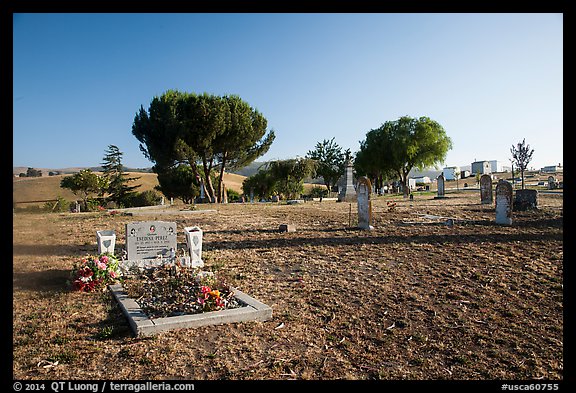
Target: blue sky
(489,79)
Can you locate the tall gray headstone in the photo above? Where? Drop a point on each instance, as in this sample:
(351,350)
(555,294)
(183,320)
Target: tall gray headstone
(440,181)
(364,189)
(348,192)
(150,239)
(503,203)
(486,189)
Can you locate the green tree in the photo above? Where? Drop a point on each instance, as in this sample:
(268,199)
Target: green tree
(521,155)
(401,145)
(243,138)
(290,175)
(261,183)
(201,130)
(331,161)
(85,183)
(113,171)
(179,182)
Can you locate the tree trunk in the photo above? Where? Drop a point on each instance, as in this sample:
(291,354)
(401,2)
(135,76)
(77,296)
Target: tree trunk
(221,180)
(208,180)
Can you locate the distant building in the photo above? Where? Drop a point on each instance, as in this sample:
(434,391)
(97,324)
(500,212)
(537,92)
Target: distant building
(496,166)
(422,180)
(451,172)
(552,169)
(464,174)
(481,167)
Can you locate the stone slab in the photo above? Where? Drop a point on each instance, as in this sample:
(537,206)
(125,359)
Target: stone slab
(142,325)
(149,239)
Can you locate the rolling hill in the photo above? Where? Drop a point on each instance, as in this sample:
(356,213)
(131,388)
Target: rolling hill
(45,188)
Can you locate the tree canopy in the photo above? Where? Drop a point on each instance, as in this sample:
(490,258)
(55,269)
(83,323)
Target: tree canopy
(204,131)
(85,183)
(521,156)
(398,146)
(331,161)
(118,188)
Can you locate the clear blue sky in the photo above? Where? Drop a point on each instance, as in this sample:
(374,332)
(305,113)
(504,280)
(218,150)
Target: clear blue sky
(489,79)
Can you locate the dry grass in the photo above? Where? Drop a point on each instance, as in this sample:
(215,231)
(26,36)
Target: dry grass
(413,299)
(26,189)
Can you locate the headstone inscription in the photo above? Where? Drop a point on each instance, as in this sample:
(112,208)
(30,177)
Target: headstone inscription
(364,189)
(150,239)
(503,203)
(486,189)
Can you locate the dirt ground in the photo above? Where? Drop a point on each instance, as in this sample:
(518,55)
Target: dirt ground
(414,299)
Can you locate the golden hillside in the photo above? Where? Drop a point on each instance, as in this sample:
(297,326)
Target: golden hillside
(28,189)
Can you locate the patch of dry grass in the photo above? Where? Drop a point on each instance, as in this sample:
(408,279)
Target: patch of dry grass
(413,299)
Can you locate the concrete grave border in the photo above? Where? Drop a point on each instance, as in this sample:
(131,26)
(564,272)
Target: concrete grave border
(142,325)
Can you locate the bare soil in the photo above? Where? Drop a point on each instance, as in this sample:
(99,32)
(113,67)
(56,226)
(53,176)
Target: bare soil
(413,299)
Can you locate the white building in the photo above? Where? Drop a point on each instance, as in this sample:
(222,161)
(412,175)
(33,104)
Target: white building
(451,172)
(496,166)
(481,167)
(422,180)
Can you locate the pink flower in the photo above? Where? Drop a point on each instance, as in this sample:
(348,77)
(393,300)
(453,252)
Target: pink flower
(113,274)
(104,259)
(101,265)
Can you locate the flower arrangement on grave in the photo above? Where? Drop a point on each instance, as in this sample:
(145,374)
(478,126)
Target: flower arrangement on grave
(95,272)
(172,289)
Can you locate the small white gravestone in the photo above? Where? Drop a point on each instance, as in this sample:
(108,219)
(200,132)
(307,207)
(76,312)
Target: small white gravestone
(364,189)
(106,241)
(503,203)
(194,242)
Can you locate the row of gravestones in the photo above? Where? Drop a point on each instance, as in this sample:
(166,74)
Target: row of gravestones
(525,199)
(152,243)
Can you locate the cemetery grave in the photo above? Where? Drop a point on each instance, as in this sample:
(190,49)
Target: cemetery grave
(476,300)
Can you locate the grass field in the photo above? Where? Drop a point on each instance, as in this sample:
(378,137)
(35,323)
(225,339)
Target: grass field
(414,299)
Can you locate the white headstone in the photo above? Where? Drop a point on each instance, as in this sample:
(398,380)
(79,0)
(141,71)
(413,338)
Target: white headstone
(503,203)
(364,189)
(347,191)
(150,239)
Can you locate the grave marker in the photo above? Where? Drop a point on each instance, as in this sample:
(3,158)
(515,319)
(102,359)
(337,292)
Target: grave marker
(486,189)
(440,182)
(150,239)
(348,192)
(364,189)
(526,199)
(503,203)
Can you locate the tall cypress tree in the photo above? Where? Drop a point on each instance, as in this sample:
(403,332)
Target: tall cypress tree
(113,170)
